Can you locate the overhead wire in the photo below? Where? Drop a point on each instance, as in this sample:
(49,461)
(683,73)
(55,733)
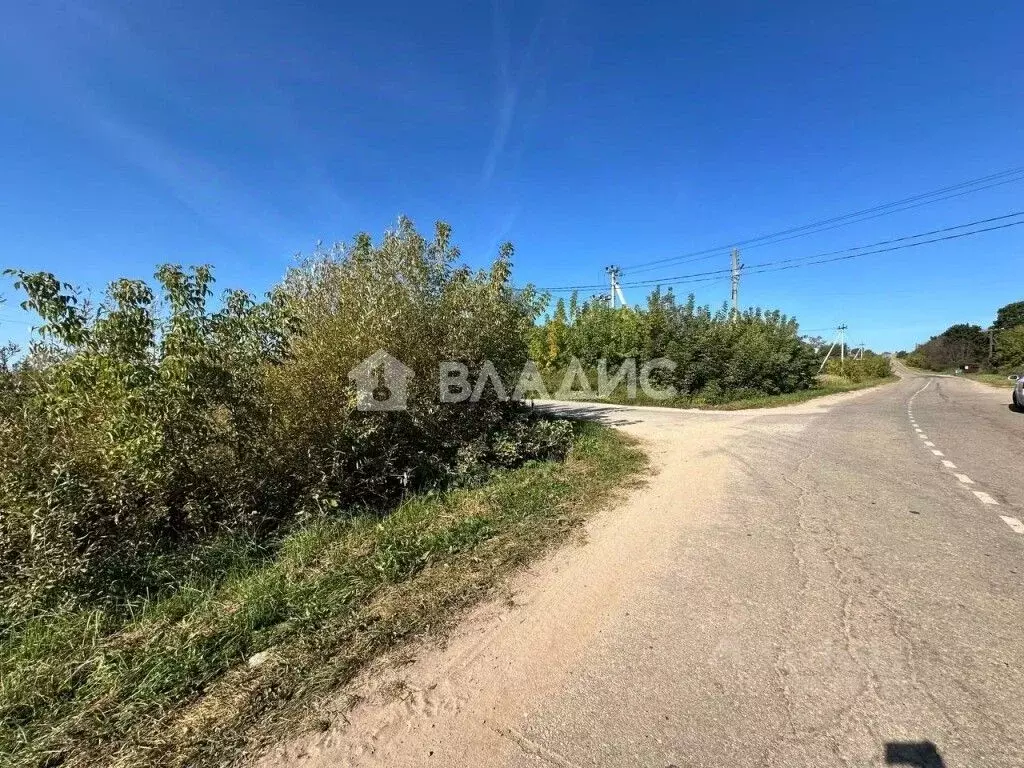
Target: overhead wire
(926,198)
(826,257)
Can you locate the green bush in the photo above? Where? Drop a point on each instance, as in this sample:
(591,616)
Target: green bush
(140,434)
(151,430)
(406,296)
(860,369)
(717,357)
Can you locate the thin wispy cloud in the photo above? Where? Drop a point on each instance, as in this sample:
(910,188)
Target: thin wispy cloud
(510,84)
(500,234)
(93,52)
(194,182)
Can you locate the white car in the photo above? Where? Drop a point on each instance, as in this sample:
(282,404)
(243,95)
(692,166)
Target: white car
(1018,391)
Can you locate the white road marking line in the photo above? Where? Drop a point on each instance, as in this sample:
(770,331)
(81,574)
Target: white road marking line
(929,443)
(963,478)
(923,436)
(938,453)
(1014,523)
(984,498)
(948,464)
(918,430)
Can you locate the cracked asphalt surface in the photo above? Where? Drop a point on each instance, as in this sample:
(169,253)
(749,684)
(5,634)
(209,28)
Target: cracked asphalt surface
(802,586)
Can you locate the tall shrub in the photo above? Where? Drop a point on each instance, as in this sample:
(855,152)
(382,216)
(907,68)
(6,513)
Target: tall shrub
(409,297)
(716,356)
(145,429)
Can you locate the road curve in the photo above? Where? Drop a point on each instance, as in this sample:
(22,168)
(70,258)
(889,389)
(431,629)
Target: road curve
(833,583)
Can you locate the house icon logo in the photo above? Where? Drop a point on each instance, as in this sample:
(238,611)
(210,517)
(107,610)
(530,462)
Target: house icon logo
(381,382)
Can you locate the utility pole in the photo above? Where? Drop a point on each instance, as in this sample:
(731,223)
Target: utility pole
(616,289)
(841,341)
(736,267)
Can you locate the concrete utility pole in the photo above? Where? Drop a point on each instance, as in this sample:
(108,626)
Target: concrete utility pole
(616,289)
(736,267)
(841,341)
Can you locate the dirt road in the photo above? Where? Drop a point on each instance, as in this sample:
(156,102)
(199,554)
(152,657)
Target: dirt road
(834,583)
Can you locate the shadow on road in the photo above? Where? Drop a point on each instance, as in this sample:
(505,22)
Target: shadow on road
(1014,408)
(917,754)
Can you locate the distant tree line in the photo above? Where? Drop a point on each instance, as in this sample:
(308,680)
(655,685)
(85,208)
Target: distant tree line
(717,357)
(963,344)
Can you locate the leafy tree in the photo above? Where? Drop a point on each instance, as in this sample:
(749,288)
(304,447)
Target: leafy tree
(557,331)
(958,345)
(1010,348)
(1009,316)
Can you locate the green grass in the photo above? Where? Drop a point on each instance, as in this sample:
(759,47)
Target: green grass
(826,385)
(992,379)
(170,686)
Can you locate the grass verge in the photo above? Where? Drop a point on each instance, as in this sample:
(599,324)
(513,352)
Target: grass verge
(171,686)
(826,385)
(992,379)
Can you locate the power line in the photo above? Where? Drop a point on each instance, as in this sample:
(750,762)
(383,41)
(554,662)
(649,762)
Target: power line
(926,198)
(822,258)
(569,288)
(12,320)
(894,248)
(824,229)
(900,239)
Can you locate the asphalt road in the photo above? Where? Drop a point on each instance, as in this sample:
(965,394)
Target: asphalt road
(835,583)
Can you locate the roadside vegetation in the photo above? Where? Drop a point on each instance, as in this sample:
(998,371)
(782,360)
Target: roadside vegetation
(1000,380)
(201,531)
(169,685)
(186,484)
(756,359)
(998,350)
(855,378)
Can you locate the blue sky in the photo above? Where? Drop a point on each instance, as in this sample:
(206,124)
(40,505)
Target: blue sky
(587,133)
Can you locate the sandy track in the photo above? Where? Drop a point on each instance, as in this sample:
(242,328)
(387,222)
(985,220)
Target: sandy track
(738,610)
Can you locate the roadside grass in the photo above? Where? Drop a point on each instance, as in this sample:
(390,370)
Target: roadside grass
(825,385)
(992,379)
(170,685)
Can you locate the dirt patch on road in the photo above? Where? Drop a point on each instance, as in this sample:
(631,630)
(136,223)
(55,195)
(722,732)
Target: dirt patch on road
(458,704)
